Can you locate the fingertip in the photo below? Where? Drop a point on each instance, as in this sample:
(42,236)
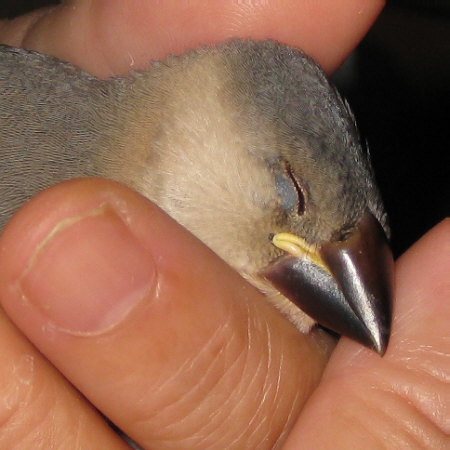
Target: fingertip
(61,254)
(327,31)
(423,287)
(111,37)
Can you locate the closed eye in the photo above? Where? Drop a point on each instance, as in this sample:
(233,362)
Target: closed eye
(298,189)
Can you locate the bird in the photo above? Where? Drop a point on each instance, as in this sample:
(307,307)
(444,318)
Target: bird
(245,143)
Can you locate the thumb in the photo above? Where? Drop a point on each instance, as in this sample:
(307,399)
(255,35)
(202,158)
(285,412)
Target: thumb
(153,328)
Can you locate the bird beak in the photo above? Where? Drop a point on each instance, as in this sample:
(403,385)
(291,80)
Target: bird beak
(345,286)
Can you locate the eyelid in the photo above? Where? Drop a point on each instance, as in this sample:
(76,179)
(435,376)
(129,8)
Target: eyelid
(298,188)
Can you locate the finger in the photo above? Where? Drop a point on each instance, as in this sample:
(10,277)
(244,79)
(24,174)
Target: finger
(405,396)
(113,37)
(152,327)
(39,406)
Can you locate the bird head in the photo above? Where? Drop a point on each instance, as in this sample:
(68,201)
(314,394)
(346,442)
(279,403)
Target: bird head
(271,174)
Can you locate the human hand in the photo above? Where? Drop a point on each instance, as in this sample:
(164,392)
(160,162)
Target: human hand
(198,362)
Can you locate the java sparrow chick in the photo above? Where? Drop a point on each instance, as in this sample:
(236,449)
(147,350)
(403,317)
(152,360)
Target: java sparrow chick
(246,144)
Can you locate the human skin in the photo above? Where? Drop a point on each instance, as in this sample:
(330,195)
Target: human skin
(195,362)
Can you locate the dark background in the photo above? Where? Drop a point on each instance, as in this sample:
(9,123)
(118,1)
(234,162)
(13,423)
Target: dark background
(398,83)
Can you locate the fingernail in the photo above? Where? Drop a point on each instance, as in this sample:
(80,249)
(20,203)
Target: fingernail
(89,273)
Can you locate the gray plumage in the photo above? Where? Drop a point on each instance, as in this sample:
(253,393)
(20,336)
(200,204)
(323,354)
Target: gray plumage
(237,142)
